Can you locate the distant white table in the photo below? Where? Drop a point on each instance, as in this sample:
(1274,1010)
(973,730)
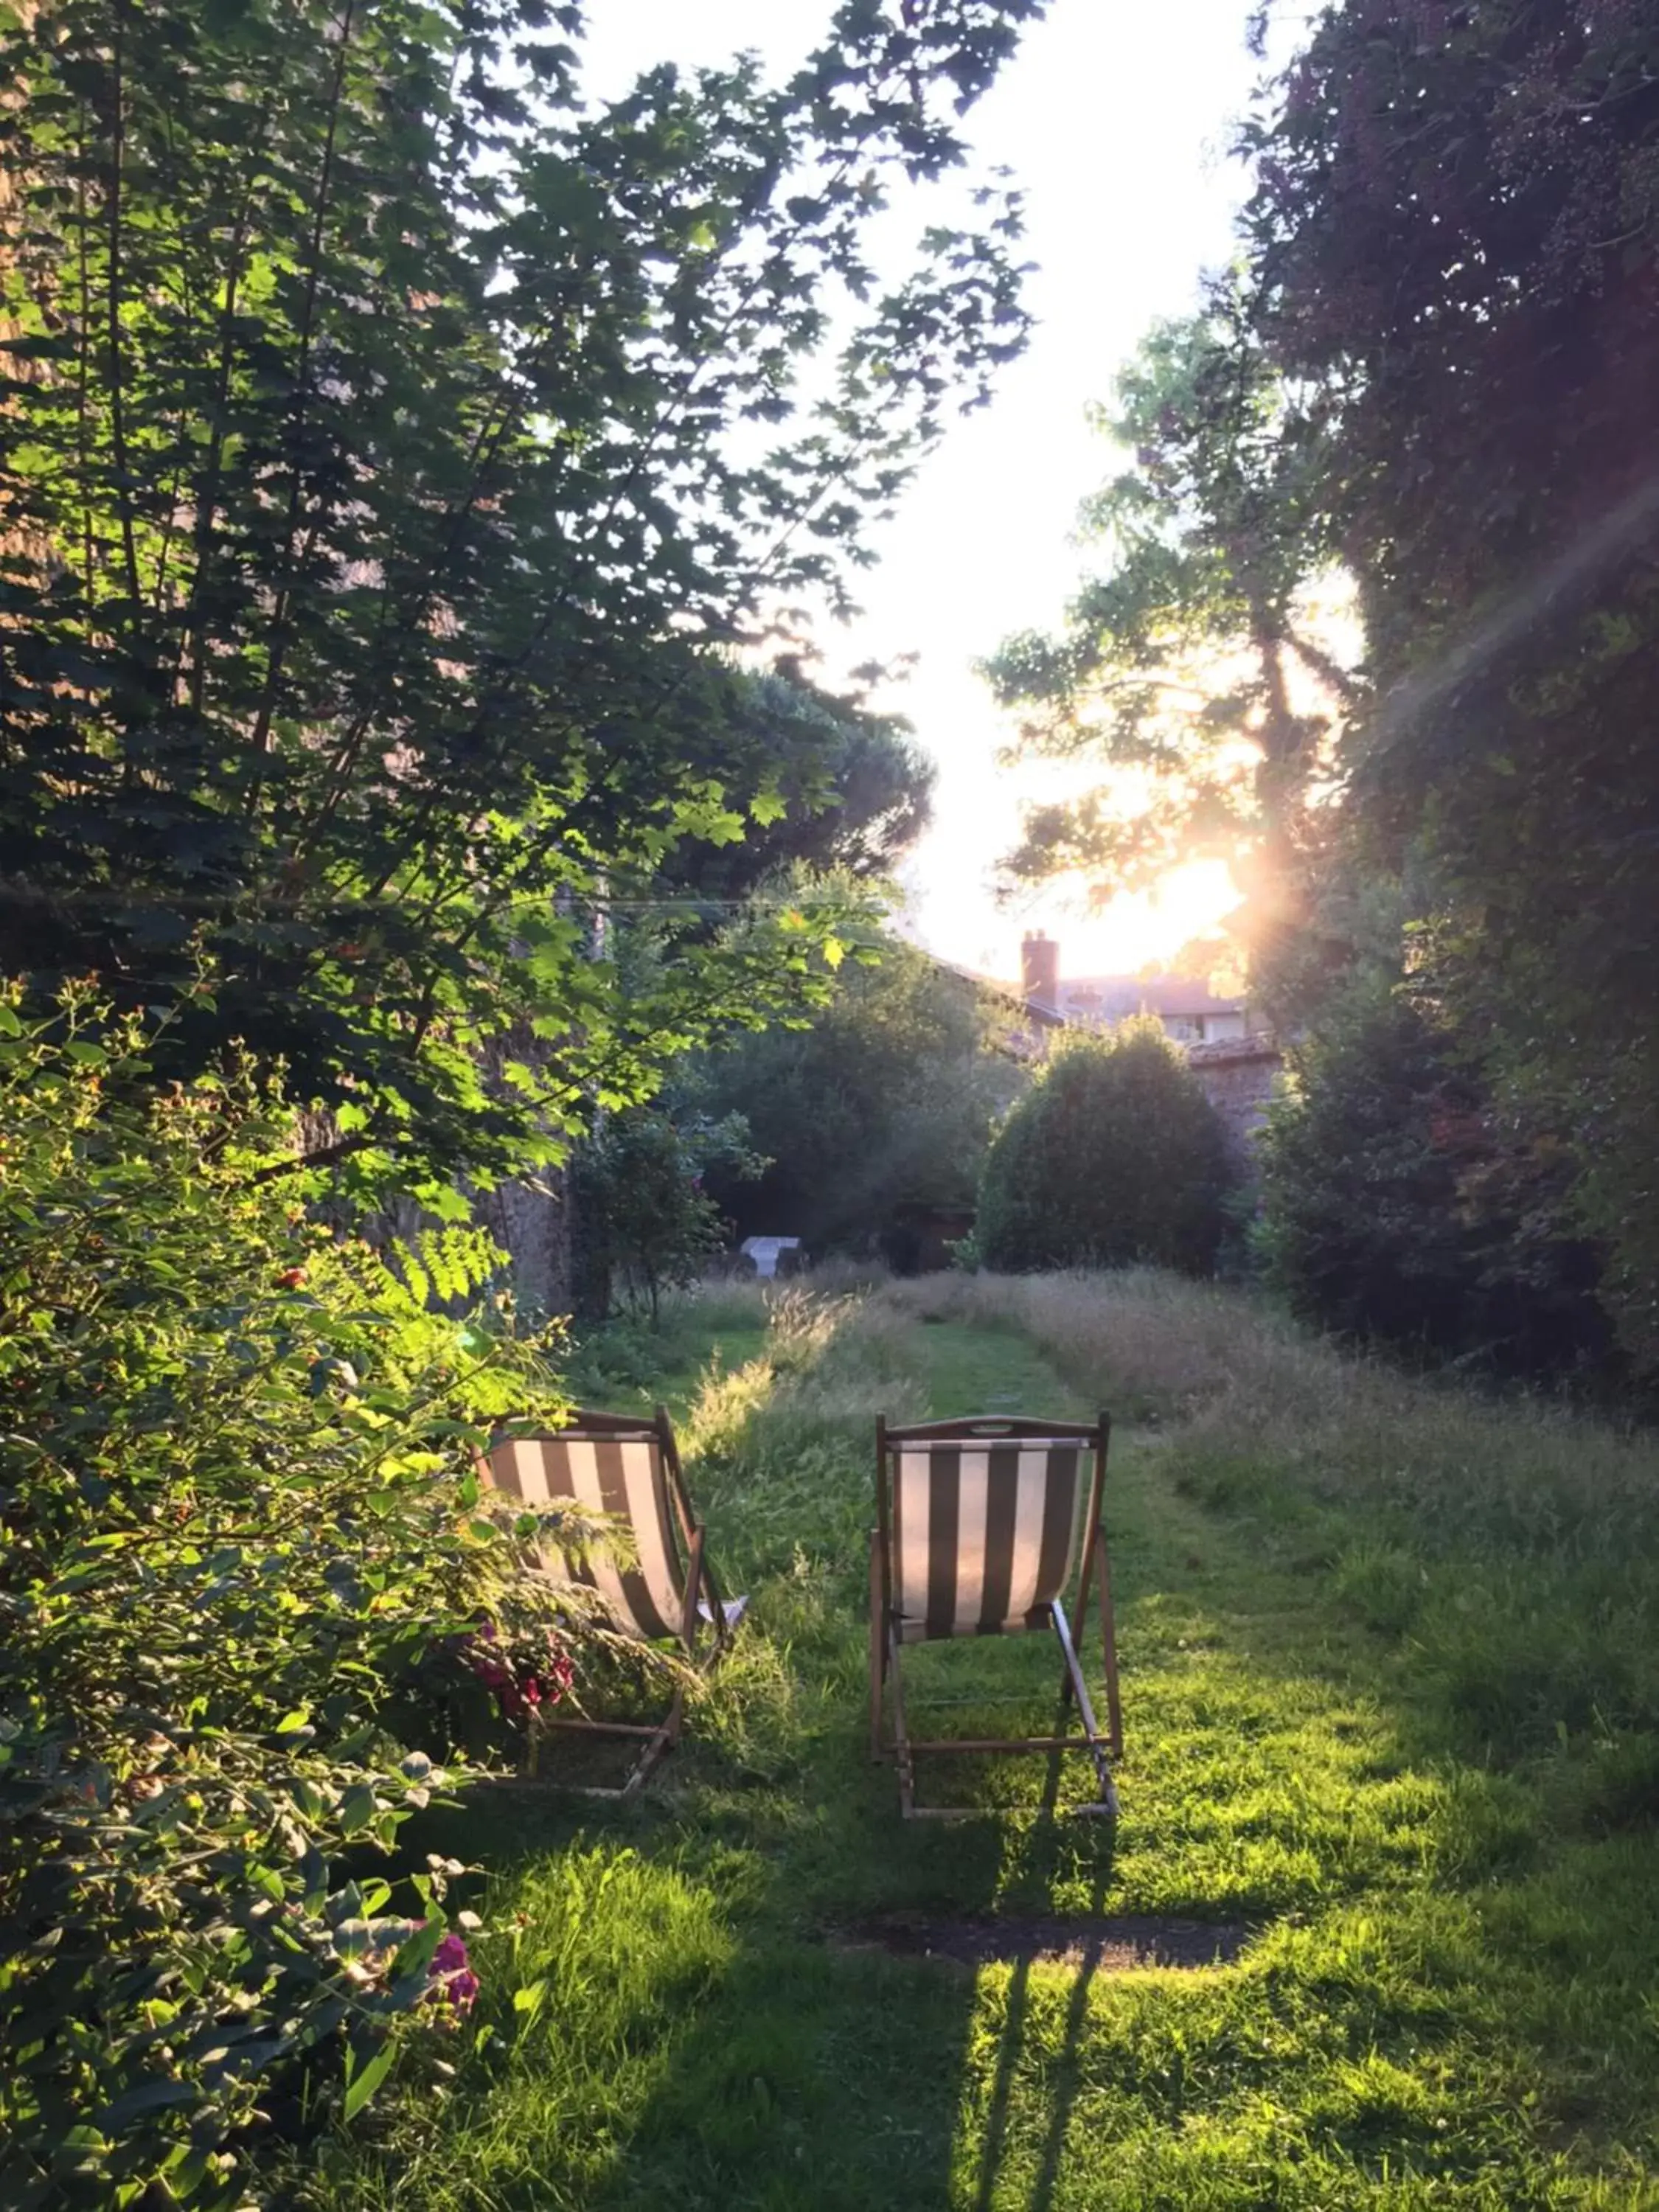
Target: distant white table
(764,1250)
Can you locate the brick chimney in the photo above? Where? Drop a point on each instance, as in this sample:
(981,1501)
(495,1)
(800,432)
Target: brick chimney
(1039,968)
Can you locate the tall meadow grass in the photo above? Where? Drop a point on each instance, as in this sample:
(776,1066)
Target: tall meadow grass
(1513,1541)
(781,1445)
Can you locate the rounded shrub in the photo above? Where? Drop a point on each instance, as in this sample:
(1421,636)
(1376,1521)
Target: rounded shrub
(1115,1157)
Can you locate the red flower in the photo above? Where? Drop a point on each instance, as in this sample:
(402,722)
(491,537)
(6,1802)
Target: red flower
(519,1684)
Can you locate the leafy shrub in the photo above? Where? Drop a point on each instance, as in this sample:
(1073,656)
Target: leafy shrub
(877,1115)
(1401,1204)
(647,1223)
(239,1512)
(1115,1158)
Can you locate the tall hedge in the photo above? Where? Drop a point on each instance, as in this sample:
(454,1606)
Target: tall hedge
(1116,1156)
(1405,1202)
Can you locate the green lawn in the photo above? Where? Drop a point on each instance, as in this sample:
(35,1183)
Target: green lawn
(1449,1993)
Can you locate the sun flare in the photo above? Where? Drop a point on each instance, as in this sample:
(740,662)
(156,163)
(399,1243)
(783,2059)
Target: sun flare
(1135,930)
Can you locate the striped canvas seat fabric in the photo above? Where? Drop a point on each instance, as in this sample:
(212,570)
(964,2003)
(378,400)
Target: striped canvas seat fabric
(622,1475)
(984,1535)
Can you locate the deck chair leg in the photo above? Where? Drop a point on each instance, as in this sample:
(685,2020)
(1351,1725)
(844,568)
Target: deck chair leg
(1108,1642)
(660,1744)
(907,1769)
(705,1587)
(669,1734)
(693,1592)
(1085,1710)
(878,1648)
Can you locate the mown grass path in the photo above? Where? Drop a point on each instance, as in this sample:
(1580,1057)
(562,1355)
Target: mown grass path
(1424,2014)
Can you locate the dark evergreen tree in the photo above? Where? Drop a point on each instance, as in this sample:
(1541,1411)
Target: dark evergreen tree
(1404,1205)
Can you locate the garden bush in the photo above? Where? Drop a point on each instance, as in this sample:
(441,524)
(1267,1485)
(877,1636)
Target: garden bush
(1403,1204)
(645,1223)
(239,1522)
(1115,1158)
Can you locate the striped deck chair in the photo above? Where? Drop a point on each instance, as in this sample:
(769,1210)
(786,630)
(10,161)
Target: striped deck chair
(977,1534)
(627,1464)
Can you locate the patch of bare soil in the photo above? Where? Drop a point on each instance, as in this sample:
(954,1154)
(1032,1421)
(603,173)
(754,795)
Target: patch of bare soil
(1112,1945)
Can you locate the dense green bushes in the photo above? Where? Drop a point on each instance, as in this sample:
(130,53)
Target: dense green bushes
(239,1524)
(1402,1204)
(879,1111)
(645,1222)
(1115,1158)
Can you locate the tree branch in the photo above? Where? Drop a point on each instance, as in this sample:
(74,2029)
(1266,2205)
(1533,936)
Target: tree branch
(112,295)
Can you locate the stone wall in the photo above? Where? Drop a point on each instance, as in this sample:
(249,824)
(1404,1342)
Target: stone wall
(1239,1076)
(531,1222)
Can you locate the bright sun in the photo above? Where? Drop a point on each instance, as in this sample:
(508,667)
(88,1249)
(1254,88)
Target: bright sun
(1136,930)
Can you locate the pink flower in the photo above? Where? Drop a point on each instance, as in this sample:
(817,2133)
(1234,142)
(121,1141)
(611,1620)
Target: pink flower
(450,1979)
(517,1685)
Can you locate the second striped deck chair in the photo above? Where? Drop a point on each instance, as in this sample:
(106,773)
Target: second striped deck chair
(627,1464)
(977,1533)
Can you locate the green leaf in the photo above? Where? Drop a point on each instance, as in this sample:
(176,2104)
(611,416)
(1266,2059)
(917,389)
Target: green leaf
(363,2079)
(357,1808)
(148,2097)
(415,1953)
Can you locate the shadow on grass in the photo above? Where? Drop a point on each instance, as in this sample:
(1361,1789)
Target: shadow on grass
(1065,2071)
(762,2069)
(792,2073)
(814,2077)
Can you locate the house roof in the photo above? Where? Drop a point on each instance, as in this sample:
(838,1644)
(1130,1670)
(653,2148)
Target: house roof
(1113,997)
(1104,998)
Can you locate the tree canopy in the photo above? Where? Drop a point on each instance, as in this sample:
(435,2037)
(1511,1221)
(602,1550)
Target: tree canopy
(393,447)
(1425,373)
(848,790)
(1194,670)
(1452,231)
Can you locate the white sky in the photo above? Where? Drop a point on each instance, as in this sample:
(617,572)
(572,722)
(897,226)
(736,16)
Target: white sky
(1116,118)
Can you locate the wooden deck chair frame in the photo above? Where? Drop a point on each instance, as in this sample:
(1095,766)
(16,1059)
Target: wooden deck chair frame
(700,1606)
(887,1642)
